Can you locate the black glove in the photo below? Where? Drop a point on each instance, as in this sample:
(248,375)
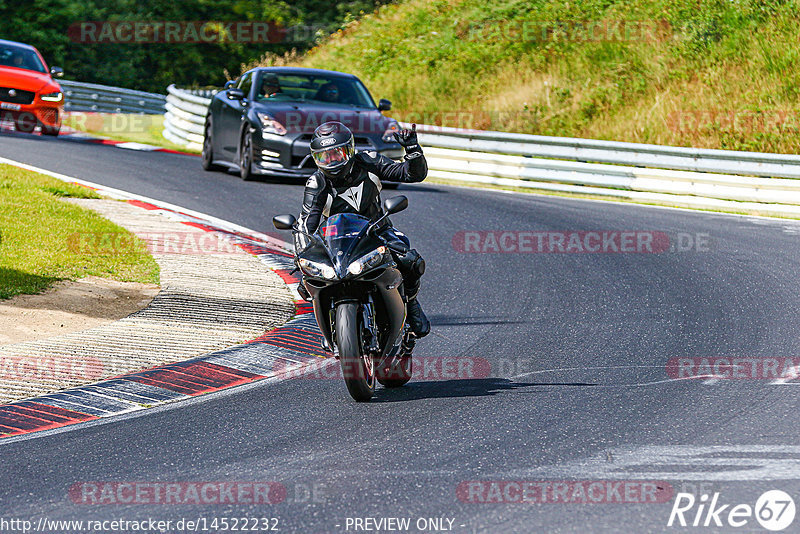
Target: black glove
(407,138)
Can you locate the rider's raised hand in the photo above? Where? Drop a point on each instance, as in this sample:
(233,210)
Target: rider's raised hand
(406,137)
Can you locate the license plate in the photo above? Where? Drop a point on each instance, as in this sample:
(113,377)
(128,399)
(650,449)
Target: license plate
(12,107)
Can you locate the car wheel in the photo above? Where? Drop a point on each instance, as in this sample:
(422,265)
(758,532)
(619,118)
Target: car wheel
(246,157)
(207,157)
(51,130)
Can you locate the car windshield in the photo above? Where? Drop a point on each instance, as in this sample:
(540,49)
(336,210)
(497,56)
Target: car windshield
(331,90)
(20,57)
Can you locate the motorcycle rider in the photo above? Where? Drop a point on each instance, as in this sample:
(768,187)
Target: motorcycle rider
(347,181)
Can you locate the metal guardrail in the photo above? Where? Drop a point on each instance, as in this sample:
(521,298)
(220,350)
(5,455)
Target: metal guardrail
(185,117)
(79,96)
(688,177)
(685,177)
(615,152)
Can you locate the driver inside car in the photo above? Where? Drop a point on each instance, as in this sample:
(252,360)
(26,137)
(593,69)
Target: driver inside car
(270,86)
(347,181)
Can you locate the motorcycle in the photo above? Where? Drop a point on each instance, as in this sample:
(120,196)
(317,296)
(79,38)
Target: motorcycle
(357,295)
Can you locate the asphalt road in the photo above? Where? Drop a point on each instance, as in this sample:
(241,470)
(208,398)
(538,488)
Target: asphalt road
(577,344)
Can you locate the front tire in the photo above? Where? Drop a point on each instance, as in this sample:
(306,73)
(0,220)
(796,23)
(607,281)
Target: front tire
(49,130)
(246,157)
(357,367)
(396,376)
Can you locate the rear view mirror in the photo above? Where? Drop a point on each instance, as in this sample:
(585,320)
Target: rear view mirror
(56,72)
(234,93)
(284,222)
(384,105)
(395,204)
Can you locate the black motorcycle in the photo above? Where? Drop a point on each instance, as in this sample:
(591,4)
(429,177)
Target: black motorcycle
(356,290)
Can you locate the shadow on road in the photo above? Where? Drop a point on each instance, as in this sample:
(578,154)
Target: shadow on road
(478,387)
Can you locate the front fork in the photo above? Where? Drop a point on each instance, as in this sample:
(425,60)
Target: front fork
(371,338)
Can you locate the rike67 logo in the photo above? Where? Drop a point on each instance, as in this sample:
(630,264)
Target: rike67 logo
(774,510)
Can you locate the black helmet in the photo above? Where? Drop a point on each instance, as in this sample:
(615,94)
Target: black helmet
(332,148)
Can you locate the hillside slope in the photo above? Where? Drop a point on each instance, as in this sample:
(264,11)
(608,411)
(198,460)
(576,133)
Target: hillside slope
(707,73)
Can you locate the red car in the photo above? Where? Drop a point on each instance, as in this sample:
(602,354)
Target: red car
(29,96)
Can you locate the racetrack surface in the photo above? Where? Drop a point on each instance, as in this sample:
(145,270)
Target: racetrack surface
(578,346)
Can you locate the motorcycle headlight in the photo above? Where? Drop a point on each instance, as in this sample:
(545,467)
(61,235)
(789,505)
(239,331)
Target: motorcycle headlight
(270,125)
(58,96)
(367,261)
(320,270)
(388,135)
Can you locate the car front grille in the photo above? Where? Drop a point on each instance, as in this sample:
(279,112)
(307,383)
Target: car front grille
(20,96)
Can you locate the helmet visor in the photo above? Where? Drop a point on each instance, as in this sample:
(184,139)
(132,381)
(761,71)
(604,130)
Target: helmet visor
(331,157)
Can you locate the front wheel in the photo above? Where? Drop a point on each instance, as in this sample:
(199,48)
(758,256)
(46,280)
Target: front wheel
(246,157)
(357,367)
(50,130)
(396,375)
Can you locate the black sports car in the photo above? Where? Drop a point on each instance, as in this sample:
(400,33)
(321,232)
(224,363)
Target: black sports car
(262,122)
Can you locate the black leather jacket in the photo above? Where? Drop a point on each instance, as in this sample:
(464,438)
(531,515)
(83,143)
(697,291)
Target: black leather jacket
(360,191)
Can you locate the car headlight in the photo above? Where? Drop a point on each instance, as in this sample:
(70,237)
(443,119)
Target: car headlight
(367,261)
(313,268)
(57,96)
(270,125)
(388,135)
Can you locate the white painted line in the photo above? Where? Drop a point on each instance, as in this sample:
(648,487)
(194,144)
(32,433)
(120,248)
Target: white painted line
(138,146)
(793,373)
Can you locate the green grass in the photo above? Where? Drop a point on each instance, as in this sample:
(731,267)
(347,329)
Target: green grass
(717,74)
(130,127)
(39,232)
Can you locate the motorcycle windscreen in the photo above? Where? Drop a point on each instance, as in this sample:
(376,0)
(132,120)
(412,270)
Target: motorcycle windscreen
(341,233)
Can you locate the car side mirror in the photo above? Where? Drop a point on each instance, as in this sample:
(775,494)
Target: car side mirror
(234,93)
(284,222)
(229,84)
(384,105)
(56,72)
(395,204)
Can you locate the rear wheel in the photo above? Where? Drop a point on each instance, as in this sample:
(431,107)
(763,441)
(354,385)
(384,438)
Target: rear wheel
(208,149)
(246,157)
(357,367)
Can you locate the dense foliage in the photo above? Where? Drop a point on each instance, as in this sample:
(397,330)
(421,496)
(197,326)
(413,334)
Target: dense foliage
(152,66)
(715,73)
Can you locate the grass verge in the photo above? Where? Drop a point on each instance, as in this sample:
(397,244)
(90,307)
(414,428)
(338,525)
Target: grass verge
(128,127)
(709,73)
(38,232)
